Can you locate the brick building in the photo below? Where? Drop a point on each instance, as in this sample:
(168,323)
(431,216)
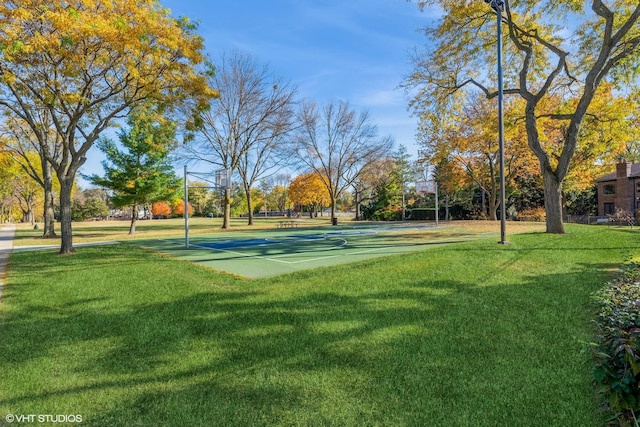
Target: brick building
(620,190)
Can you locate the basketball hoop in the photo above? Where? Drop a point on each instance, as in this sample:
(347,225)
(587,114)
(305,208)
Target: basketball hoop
(426,187)
(429,187)
(223,179)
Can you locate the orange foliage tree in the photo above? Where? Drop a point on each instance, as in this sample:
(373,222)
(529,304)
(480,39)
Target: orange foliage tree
(160,209)
(178,208)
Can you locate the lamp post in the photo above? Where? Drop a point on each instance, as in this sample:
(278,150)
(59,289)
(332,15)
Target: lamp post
(498,7)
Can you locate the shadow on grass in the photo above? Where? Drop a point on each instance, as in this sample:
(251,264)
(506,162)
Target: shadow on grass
(152,342)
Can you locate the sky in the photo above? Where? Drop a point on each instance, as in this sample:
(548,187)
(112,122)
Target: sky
(351,50)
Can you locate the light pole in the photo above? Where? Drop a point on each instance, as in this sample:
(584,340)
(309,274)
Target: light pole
(498,7)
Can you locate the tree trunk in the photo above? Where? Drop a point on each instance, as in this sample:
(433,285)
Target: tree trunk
(494,199)
(334,218)
(29,216)
(552,180)
(553,202)
(249,206)
(493,208)
(66,215)
(226,220)
(357,200)
(134,218)
(484,206)
(446,208)
(49,215)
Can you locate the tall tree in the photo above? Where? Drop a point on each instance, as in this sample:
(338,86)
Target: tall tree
(309,191)
(369,180)
(608,129)
(9,170)
(23,144)
(84,64)
(279,195)
(451,179)
(142,174)
(245,127)
(200,197)
(337,144)
(469,139)
(28,193)
(604,40)
(90,203)
(403,174)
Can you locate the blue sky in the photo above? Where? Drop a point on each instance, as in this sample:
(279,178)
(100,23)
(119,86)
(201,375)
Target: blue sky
(352,50)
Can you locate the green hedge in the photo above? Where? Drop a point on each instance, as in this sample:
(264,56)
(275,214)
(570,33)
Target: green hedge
(617,346)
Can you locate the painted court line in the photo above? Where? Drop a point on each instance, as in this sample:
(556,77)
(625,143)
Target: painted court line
(240,254)
(336,256)
(276,257)
(235,246)
(342,245)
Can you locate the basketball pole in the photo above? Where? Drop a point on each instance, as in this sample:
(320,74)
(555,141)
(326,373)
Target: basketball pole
(498,7)
(186,209)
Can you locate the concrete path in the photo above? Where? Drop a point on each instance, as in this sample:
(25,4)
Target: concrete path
(7,232)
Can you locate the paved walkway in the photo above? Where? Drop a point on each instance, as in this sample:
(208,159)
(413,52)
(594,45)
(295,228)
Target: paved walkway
(7,232)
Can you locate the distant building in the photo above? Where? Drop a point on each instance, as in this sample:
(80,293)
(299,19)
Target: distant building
(620,190)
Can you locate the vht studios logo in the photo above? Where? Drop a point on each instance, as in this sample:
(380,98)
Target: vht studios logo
(42,418)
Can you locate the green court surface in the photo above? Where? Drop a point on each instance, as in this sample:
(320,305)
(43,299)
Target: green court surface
(270,253)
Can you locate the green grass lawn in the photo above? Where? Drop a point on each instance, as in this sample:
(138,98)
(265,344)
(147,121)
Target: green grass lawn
(474,334)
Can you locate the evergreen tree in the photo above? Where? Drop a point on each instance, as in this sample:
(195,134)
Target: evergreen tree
(140,174)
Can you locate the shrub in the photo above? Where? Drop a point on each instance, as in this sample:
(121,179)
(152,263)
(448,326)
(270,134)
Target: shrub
(389,213)
(622,217)
(533,214)
(160,209)
(617,346)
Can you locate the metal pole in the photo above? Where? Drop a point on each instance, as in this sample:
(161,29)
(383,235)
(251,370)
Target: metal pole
(435,183)
(186,209)
(404,203)
(498,6)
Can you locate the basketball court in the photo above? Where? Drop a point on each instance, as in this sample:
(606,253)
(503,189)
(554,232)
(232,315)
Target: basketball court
(270,253)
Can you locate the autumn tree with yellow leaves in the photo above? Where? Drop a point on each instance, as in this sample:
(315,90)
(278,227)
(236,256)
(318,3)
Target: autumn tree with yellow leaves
(9,175)
(31,156)
(78,66)
(309,191)
(470,140)
(567,49)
